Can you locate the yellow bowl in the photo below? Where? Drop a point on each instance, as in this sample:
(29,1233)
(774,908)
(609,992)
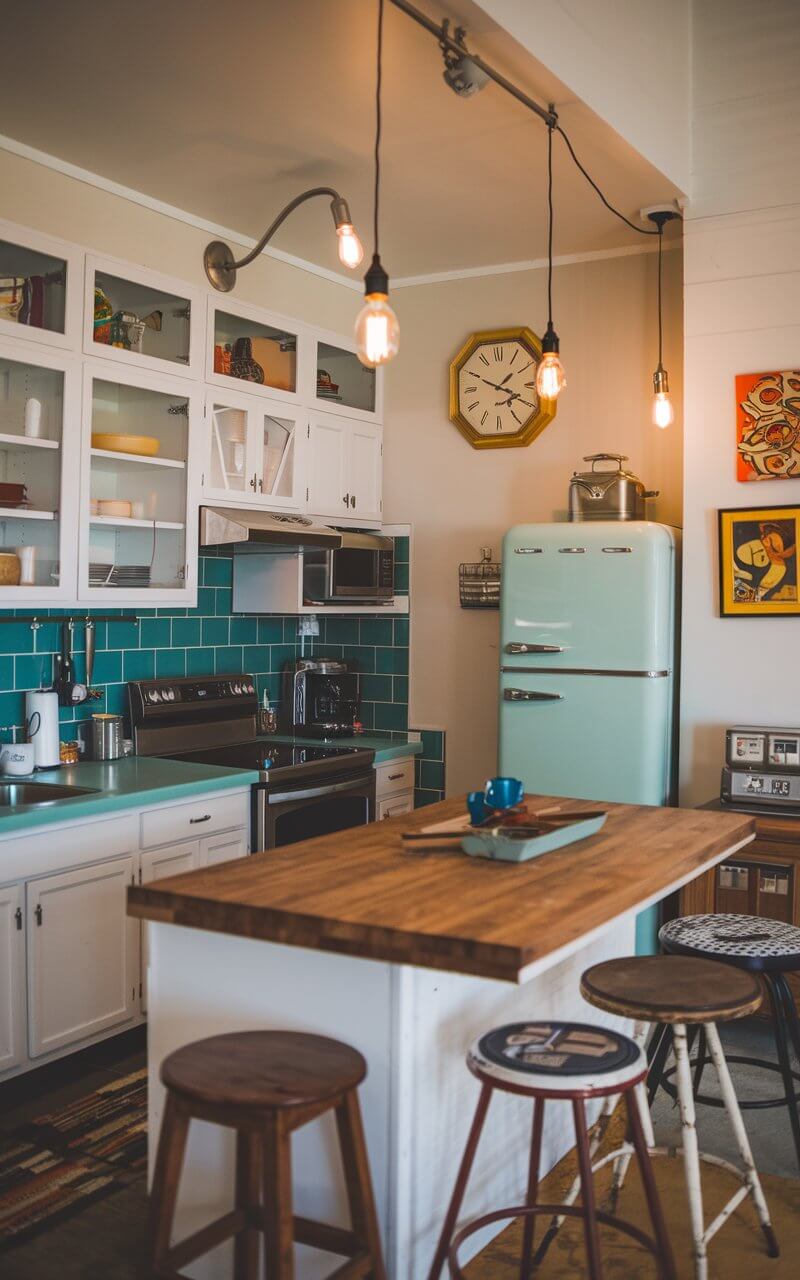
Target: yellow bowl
(147,446)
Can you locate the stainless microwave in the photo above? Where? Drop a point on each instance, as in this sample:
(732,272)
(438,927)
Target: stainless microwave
(361,571)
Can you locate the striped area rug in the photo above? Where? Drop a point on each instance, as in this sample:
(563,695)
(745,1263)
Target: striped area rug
(62,1162)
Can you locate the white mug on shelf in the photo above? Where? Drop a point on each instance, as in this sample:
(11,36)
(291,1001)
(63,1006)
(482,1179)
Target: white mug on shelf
(27,566)
(33,417)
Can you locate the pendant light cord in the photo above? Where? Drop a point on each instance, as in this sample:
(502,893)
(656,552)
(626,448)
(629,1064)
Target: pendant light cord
(660,248)
(642,231)
(550,226)
(378,80)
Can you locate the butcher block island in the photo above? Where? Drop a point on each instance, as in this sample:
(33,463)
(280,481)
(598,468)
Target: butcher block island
(408,956)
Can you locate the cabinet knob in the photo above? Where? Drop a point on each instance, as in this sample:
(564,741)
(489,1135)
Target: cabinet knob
(18,917)
(205,818)
(346,499)
(353,500)
(38,913)
(253,481)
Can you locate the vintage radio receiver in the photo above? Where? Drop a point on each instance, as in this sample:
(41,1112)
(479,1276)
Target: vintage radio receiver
(762,766)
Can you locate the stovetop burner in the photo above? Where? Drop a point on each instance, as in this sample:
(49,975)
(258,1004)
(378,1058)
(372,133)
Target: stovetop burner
(264,755)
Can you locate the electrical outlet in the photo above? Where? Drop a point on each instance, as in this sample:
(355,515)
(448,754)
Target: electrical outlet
(308,625)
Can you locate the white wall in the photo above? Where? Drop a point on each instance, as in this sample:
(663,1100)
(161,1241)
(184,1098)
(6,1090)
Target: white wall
(459,498)
(626,59)
(742,275)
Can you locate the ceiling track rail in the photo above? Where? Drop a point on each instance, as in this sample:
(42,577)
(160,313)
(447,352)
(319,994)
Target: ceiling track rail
(440,32)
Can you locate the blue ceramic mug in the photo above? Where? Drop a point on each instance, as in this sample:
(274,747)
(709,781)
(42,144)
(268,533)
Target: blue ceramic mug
(503,793)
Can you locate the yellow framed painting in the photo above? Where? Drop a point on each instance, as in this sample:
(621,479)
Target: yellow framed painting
(758,562)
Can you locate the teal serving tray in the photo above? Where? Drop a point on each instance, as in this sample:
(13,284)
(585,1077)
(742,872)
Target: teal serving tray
(502,848)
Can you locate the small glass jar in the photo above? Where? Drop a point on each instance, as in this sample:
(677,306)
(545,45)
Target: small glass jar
(69,752)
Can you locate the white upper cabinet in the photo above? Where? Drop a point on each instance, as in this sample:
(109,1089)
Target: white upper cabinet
(342,384)
(41,280)
(39,447)
(344,469)
(142,319)
(254,451)
(138,525)
(253,350)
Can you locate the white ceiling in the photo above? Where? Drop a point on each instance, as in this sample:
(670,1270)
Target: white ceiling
(228,117)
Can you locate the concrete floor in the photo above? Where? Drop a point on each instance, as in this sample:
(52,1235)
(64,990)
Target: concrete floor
(107,1240)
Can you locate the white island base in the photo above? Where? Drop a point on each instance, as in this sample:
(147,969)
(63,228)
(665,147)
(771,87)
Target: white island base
(414,1027)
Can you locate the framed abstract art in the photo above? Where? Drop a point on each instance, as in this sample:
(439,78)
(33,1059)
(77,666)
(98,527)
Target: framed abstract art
(768,425)
(758,562)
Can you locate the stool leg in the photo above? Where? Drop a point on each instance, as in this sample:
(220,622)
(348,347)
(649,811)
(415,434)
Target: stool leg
(533,1187)
(659,1061)
(691,1157)
(792,1024)
(622,1165)
(277,1209)
(752,1180)
(248,1197)
(700,1061)
(467,1160)
(784,1061)
(166,1177)
(642,1148)
(590,1233)
(558,1220)
(360,1197)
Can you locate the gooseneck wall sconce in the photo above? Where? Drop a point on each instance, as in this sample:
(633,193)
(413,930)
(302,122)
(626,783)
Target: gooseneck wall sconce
(221,266)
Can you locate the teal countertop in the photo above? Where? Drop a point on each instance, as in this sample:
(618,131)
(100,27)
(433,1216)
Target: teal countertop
(129,783)
(389,746)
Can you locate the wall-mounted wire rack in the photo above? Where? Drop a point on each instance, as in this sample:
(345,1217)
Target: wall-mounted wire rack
(479,583)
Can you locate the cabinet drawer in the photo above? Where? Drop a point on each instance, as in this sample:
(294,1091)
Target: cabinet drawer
(234,844)
(391,806)
(395,775)
(199,818)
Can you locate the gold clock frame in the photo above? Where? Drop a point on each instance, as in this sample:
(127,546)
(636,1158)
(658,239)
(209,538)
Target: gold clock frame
(534,426)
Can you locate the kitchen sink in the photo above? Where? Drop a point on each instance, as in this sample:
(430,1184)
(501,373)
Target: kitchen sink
(14,794)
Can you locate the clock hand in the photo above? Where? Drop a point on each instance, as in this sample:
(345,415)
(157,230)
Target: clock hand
(506,378)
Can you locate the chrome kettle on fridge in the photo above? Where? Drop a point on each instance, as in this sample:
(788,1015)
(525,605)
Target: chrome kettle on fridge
(611,494)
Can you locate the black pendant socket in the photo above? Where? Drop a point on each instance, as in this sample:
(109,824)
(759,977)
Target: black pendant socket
(376,279)
(550,340)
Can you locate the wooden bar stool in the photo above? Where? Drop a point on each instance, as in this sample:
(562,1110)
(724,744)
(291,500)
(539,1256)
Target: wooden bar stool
(557,1061)
(769,948)
(264,1084)
(678,991)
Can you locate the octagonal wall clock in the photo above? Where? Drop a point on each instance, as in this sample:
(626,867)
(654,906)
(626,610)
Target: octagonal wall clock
(493,399)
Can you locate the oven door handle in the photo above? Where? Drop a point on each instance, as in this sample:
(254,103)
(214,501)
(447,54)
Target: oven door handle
(314,793)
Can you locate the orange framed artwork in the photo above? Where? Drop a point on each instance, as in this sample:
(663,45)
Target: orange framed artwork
(758,562)
(768,425)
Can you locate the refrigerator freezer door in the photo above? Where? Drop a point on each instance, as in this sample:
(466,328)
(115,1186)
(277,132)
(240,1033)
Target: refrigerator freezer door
(590,737)
(593,596)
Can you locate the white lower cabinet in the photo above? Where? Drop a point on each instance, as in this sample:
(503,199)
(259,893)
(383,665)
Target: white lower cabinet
(12,977)
(392,805)
(83,955)
(72,962)
(394,787)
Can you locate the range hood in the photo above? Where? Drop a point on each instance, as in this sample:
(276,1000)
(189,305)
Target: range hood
(261,531)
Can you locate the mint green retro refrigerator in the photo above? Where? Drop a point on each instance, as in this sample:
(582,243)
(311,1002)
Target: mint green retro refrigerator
(587,669)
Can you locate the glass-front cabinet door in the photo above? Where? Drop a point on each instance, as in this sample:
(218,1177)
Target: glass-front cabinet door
(138,493)
(39,443)
(40,287)
(142,318)
(253,351)
(343,384)
(254,451)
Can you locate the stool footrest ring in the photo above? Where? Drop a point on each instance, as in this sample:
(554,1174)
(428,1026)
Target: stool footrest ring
(525,1212)
(754,1104)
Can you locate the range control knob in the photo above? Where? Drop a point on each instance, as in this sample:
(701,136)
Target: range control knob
(168,695)
(153,695)
(236,688)
(248,688)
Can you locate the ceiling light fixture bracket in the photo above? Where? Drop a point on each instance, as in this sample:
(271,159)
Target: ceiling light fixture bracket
(660,214)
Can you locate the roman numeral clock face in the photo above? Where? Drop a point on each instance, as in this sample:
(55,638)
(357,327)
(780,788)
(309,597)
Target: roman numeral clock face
(493,398)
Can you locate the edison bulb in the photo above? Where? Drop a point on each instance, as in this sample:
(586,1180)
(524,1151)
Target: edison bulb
(663,412)
(550,376)
(351,250)
(377,331)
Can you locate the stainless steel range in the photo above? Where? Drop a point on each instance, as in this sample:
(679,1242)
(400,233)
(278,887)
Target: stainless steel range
(302,791)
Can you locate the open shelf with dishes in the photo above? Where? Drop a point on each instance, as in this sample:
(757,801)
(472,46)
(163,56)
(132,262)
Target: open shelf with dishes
(343,383)
(136,498)
(253,451)
(247,347)
(40,283)
(36,387)
(141,318)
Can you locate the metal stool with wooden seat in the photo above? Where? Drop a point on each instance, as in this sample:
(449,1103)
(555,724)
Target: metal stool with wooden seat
(265,1085)
(677,991)
(557,1061)
(769,948)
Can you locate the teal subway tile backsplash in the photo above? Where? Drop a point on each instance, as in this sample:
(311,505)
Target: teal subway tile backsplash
(199,641)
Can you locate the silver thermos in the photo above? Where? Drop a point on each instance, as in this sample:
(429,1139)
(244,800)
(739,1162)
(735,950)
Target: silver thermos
(106,736)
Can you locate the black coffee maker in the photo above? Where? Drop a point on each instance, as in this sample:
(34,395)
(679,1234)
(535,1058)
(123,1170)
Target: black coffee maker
(320,697)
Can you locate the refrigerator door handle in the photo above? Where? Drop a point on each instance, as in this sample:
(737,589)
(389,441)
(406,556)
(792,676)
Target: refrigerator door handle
(534,648)
(530,695)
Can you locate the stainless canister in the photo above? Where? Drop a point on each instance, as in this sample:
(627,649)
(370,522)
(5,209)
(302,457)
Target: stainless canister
(610,494)
(106,736)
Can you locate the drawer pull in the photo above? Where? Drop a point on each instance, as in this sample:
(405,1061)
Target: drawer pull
(394,776)
(205,818)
